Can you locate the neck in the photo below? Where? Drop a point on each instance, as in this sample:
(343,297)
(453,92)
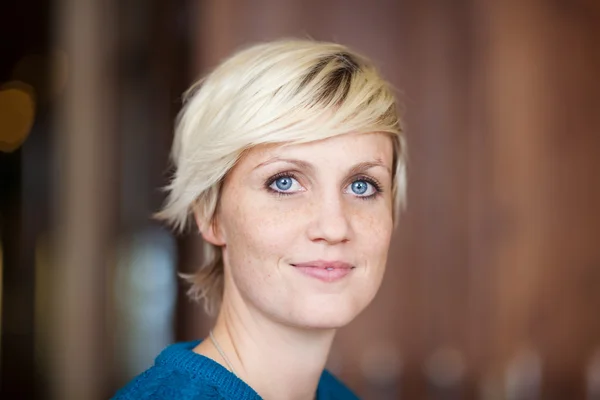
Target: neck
(277,361)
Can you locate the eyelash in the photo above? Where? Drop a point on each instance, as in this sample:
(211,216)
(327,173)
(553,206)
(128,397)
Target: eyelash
(372,181)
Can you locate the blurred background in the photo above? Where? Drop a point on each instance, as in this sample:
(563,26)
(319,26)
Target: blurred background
(493,283)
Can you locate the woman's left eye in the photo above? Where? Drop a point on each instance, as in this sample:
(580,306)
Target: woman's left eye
(362,188)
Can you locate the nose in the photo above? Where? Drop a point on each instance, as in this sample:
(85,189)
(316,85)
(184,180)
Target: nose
(329,220)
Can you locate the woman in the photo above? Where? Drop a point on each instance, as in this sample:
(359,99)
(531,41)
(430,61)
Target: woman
(290,159)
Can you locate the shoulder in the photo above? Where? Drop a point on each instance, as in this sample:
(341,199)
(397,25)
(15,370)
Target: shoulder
(331,388)
(164,383)
(180,373)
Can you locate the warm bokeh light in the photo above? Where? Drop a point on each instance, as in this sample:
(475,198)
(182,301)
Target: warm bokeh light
(33,70)
(17,113)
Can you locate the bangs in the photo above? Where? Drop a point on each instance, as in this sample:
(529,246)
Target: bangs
(285,92)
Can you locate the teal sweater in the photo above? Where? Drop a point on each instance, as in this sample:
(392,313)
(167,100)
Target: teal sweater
(179,373)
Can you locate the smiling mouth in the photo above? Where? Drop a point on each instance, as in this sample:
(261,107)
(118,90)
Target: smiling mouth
(326,271)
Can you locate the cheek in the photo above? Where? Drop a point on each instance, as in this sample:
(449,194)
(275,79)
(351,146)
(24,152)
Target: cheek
(257,238)
(374,232)
(260,230)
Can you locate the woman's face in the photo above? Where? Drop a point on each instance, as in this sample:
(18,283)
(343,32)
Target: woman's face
(305,228)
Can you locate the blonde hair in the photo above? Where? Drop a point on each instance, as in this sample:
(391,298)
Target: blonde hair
(277,92)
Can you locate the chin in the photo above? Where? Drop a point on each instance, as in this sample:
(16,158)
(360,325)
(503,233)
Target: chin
(327,316)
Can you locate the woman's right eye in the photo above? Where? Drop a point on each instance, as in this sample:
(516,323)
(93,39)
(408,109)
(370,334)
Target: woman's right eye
(285,184)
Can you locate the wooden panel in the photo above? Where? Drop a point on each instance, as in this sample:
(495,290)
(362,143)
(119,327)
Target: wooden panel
(494,270)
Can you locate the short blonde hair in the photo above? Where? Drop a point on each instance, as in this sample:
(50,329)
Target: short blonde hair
(287,91)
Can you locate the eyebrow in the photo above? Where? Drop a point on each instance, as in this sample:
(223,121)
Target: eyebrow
(358,168)
(363,166)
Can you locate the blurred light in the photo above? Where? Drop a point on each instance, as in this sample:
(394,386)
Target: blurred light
(17,113)
(30,68)
(524,376)
(47,74)
(380,363)
(145,290)
(593,377)
(33,69)
(490,387)
(445,367)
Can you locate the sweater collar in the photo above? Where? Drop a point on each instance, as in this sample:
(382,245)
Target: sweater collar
(181,356)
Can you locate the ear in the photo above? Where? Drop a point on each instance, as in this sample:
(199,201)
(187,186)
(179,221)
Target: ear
(209,230)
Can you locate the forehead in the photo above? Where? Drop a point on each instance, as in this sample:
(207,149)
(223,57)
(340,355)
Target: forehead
(347,148)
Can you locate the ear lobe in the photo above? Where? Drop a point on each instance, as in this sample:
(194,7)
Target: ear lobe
(209,230)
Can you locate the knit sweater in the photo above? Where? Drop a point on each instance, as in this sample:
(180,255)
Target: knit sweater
(179,373)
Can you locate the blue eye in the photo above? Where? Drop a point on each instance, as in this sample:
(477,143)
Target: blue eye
(283,183)
(363,188)
(360,187)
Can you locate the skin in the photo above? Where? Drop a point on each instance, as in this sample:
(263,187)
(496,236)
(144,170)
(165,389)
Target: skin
(276,324)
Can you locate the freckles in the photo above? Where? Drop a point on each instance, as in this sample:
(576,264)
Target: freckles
(378,223)
(275,218)
(374,234)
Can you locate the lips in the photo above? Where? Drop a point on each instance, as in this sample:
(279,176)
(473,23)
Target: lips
(327,271)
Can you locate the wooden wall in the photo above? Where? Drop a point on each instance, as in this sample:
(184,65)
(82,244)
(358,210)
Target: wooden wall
(493,284)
